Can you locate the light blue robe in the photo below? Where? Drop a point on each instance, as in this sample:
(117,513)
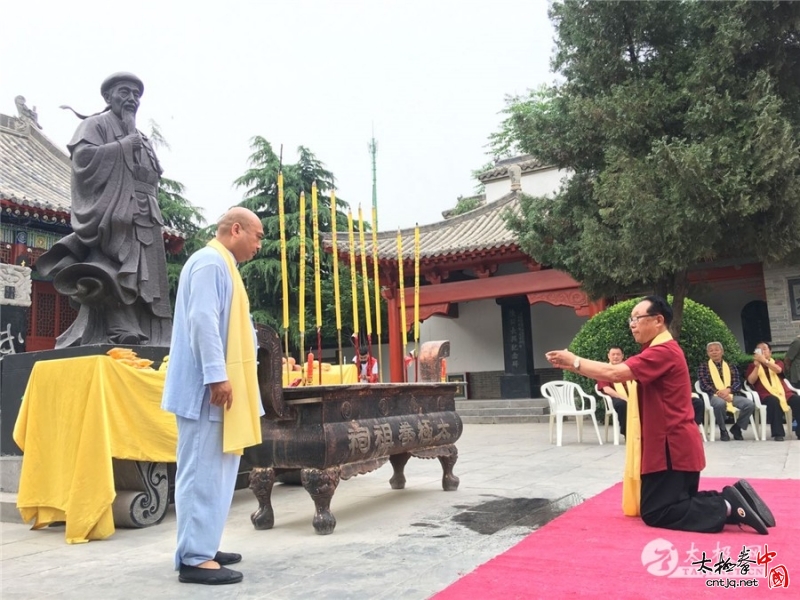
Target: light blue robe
(206,476)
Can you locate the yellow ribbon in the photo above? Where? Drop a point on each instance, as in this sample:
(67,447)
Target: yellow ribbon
(773,385)
(242,423)
(622,388)
(632,476)
(721,383)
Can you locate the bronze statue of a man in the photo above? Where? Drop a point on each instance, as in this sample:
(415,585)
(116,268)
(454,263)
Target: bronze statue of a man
(113,265)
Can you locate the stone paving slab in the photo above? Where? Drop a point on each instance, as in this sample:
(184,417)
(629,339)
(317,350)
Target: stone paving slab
(405,544)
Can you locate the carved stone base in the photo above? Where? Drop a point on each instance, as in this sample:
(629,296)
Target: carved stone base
(320,485)
(261,482)
(142,493)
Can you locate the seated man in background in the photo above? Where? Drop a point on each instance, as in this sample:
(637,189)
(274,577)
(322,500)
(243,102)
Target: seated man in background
(723,385)
(764,375)
(617,391)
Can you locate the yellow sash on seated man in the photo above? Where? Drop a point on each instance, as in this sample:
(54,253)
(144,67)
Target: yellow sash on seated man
(773,385)
(720,383)
(623,388)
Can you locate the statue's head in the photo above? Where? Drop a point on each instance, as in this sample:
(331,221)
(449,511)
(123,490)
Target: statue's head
(122,91)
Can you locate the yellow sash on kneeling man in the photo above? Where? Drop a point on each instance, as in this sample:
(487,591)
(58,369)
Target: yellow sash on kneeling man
(632,476)
(242,423)
(773,385)
(721,383)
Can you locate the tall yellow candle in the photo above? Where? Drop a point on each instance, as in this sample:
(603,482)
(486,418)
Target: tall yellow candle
(334,225)
(416,283)
(302,316)
(353,284)
(364,271)
(402,285)
(315,230)
(284,271)
(376,280)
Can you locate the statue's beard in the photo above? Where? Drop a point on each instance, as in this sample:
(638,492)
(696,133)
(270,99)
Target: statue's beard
(129,119)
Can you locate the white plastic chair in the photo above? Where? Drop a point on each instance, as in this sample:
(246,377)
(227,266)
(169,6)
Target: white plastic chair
(611,415)
(711,420)
(561,395)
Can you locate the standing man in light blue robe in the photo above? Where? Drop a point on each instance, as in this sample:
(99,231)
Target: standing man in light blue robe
(198,390)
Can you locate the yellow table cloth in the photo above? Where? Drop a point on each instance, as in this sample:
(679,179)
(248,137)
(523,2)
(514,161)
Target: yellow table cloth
(331,377)
(77,414)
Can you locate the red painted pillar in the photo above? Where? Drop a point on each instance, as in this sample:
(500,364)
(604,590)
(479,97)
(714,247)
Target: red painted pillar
(597,307)
(395,339)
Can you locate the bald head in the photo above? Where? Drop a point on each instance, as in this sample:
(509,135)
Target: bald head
(238,214)
(241,232)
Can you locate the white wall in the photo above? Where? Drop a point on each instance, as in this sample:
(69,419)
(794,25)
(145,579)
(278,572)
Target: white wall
(728,305)
(543,182)
(476,336)
(552,328)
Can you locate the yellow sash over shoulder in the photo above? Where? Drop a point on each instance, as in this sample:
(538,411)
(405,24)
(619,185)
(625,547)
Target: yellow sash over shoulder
(632,476)
(772,383)
(242,423)
(721,382)
(623,388)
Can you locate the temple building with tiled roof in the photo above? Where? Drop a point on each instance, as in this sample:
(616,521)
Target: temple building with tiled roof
(502,311)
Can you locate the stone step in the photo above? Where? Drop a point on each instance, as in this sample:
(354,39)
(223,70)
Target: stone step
(517,410)
(511,403)
(497,419)
(522,412)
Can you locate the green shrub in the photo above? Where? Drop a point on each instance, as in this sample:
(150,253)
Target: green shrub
(610,328)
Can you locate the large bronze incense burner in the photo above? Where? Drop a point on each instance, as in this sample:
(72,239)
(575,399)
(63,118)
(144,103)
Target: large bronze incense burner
(335,432)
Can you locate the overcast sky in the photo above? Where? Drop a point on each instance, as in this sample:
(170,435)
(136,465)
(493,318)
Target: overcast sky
(429,75)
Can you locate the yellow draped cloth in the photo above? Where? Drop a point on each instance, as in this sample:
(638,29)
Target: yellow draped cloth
(346,374)
(76,414)
(721,382)
(773,385)
(623,389)
(242,423)
(632,476)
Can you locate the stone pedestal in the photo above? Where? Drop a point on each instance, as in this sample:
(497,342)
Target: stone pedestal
(15,370)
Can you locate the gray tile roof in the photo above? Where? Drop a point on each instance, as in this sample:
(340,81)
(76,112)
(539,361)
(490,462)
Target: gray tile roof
(478,231)
(527,163)
(33,170)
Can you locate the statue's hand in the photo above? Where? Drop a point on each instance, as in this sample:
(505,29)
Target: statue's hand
(136,141)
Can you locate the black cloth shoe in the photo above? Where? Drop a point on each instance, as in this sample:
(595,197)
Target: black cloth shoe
(741,511)
(220,576)
(777,438)
(736,432)
(227,558)
(754,500)
(723,435)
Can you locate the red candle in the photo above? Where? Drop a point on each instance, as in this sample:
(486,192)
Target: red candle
(310,367)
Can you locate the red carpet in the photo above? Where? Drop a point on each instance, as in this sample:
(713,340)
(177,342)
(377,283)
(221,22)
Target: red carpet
(594,551)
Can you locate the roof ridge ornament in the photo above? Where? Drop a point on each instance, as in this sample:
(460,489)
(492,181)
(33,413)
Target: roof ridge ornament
(26,115)
(515,175)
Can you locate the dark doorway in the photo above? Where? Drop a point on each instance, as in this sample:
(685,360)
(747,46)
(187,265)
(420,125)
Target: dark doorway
(755,325)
